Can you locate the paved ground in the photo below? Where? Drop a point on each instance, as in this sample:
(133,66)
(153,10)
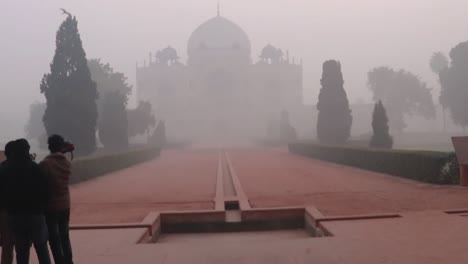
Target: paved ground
(186,180)
(277,178)
(177,180)
(416,238)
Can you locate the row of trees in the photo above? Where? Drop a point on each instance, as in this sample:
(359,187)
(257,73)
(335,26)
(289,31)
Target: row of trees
(88,97)
(335,119)
(405,94)
(85,98)
(401,91)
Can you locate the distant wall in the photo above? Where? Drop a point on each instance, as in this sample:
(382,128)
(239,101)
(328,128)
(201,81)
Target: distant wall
(2,156)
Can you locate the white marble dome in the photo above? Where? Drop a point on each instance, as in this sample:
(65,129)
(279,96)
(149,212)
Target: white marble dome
(216,33)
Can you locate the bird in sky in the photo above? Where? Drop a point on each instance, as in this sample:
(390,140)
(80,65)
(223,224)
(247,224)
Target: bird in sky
(65,12)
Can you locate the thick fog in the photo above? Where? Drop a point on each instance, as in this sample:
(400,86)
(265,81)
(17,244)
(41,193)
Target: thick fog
(362,34)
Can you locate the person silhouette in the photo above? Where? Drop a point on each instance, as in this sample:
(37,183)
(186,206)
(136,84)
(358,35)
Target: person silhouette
(57,168)
(6,237)
(26,193)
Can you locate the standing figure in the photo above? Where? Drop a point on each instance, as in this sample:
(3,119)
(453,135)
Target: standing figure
(26,193)
(57,169)
(6,237)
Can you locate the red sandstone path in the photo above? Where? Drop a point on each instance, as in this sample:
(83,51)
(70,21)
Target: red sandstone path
(276,178)
(177,180)
(186,180)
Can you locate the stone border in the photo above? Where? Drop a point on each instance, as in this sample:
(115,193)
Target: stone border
(310,218)
(456,211)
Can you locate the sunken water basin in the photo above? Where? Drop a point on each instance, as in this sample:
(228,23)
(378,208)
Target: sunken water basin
(235,225)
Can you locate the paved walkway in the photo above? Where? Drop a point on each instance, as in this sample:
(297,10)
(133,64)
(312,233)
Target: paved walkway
(186,180)
(177,180)
(275,178)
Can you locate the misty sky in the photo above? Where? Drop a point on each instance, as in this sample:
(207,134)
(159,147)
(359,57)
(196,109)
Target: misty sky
(360,33)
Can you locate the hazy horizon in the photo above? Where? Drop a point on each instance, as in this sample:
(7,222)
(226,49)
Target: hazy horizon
(362,34)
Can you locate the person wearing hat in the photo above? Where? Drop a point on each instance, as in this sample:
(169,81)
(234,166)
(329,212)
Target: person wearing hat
(57,169)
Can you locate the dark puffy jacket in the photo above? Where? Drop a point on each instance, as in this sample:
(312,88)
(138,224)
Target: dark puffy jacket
(57,169)
(25,188)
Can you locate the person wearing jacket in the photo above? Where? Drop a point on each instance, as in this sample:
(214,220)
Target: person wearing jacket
(25,191)
(57,168)
(6,238)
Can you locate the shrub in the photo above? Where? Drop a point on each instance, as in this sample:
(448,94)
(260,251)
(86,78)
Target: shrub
(425,166)
(84,169)
(381,137)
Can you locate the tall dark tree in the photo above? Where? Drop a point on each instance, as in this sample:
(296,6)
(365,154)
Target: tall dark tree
(381,137)
(70,92)
(113,92)
(403,93)
(454,82)
(334,118)
(140,119)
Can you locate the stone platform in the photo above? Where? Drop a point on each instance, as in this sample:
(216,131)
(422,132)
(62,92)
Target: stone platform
(418,237)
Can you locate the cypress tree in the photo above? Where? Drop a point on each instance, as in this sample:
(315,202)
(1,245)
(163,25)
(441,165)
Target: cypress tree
(381,137)
(334,118)
(70,92)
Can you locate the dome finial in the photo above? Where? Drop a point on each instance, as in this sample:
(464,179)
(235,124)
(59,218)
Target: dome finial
(219,13)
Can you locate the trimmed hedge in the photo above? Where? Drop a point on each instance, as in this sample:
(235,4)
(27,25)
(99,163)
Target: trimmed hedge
(426,166)
(84,169)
